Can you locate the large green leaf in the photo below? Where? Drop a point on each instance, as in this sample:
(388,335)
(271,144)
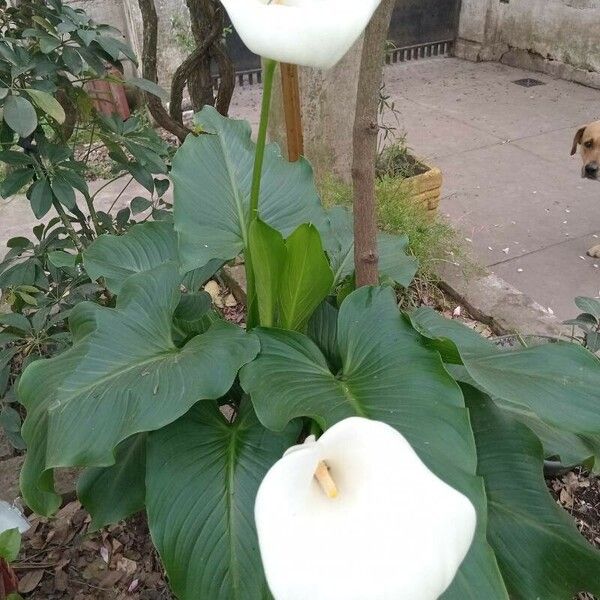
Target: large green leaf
(540,552)
(194,314)
(212,174)
(292,277)
(114,493)
(10,545)
(322,330)
(560,445)
(306,279)
(123,375)
(339,243)
(559,382)
(203,475)
(143,247)
(388,375)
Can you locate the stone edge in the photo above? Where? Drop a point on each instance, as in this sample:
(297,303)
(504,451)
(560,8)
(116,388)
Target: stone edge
(504,308)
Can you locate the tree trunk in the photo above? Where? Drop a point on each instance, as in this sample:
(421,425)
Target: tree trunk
(149,70)
(203,18)
(206,15)
(365,146)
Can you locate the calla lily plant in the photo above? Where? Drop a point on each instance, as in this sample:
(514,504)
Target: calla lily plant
(356,515)
(12,524)
(313,33)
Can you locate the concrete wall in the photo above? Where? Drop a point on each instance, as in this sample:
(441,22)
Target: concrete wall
(560,37)
(125,16)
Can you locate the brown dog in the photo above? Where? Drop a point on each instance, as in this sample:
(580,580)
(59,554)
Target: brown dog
(588,137)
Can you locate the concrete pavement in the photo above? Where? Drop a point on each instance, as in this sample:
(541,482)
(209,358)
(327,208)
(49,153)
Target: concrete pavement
(510,185)
(17,219)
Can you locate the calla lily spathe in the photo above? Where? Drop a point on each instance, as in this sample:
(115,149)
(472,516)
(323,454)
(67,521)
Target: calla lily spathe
(12,518)
(389,529)
(312,33)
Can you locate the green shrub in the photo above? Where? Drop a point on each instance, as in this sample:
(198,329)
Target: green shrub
(431,240)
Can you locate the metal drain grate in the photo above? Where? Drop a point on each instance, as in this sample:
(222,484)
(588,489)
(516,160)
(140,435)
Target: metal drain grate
(428,50)
(529,82)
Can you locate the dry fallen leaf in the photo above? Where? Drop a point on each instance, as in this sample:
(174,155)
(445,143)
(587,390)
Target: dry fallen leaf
(30,581)
(212,288)
(230,301)
(127,566)
(133,585)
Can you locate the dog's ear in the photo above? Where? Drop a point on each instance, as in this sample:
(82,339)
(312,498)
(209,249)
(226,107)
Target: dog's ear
(577,139)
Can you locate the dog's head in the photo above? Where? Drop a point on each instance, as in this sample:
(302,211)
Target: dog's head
(588,137)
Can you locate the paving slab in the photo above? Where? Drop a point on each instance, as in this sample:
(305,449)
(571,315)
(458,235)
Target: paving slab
(484,96)
(432,134)
(557,275)
(508,201)
(510,186)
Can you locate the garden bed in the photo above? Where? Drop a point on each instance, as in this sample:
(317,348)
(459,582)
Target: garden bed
(61,560)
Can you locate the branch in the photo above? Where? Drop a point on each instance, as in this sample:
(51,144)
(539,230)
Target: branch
(226,76)
(149,70)
(186,69)
(365,132)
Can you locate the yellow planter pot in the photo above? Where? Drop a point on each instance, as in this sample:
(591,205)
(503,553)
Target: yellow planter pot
(425,188)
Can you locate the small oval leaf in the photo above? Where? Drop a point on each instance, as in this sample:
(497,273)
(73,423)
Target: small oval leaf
(20,115)
(48,104)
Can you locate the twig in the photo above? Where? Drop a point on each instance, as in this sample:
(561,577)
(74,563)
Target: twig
(120,194)
(68,226)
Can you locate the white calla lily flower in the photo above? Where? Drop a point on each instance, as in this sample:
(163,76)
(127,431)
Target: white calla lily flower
(12,518)
(311,33)
(356,515)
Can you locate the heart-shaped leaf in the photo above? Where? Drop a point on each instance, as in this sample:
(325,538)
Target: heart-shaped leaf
(123,375)
(388,375)
(203,475)
(143,247)
(112,494)
(212,175)
(339,243)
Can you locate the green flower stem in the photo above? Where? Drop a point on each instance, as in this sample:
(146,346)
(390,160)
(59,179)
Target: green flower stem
(269,72)
(252,318)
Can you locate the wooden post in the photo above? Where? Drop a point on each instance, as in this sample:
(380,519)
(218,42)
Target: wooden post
(291,107)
